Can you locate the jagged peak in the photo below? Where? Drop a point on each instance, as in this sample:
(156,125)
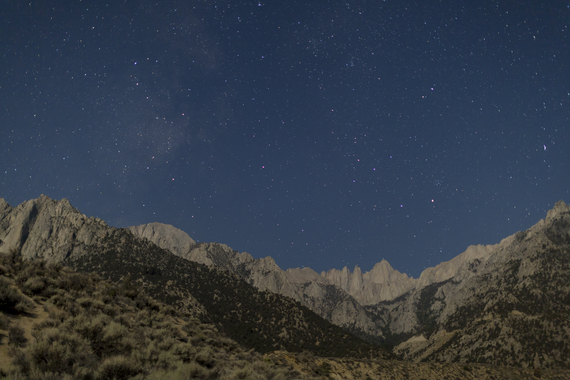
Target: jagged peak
(559,208)
(48,228)
(244,256)
(386,270)
(45,201)
(57,208)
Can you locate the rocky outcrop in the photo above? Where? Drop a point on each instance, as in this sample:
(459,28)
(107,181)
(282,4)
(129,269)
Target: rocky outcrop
(263,273)
(451,269)
(165,236)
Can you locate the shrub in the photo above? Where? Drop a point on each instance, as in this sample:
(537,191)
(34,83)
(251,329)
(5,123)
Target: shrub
(21,360)
(54,313)
(4,322)
(58,353)
(34,285)
(9,297)
(114,340)
(324,369)
(16,336)
(117,368)
(167,360)
(278,376)
(206,357)
(128,288)
(186,371)
(246,373)
(184,351)
(95,330)
(11,261)
(24,306)
(65,301)
(76,282)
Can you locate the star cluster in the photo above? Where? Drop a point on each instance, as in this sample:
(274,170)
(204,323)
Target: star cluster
(323,134)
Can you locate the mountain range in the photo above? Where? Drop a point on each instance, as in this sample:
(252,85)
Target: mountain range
(503,304)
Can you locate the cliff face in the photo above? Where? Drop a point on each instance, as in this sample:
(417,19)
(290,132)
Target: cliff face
(382,283)
(451,269)
(48,229)
(166,237)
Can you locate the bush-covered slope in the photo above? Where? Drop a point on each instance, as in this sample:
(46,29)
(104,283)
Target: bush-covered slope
(93,329)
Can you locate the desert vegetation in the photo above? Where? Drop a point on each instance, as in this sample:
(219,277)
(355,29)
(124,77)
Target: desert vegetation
(94,329)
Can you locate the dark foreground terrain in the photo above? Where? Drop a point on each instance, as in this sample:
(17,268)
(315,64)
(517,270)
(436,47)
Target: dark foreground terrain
(59,324)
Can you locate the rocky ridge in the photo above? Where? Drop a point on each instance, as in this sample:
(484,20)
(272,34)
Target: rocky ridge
(382,283)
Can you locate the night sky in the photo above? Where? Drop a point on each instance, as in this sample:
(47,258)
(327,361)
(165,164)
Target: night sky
(324,134)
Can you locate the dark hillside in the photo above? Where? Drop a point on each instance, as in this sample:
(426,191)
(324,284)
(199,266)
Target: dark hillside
(263,321)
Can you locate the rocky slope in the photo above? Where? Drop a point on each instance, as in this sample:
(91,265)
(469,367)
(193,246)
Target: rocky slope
(303,285)
(507,304)
(59,324)
(337,295)
(48,229)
